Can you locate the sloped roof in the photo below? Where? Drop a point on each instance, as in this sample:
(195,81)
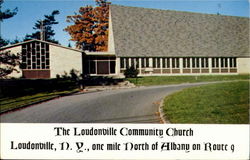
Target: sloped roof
(150,32)
(36,40)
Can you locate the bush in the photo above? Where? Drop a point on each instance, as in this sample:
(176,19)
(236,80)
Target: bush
(131,72)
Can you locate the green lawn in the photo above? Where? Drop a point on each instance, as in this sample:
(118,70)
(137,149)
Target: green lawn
(8,103)
(162,80)
(222,103)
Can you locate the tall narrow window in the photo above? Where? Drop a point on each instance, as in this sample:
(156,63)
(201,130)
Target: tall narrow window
(127,62)
(158,62)
(204,62)
(184,62)
(143,63)
(197,62)
(173,62)
(137,62)
(163,62)
(215,62)
(122,63)
(193,63)
(168,62)
(222,62)
(147,62)
(133,62)
(226,63)
(154,62)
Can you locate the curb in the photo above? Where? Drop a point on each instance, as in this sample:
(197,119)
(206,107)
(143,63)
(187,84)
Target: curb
(162,115)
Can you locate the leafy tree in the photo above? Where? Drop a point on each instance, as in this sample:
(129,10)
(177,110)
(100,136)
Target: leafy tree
(8,62)
(46,23)
(90,28)
(5,15)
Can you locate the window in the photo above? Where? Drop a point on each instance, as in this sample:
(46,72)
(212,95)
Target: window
(186,62)
(102,65)
(204,62)
(175,63)
(145,62)
(127,62)
(165,62)
(133,62)
(232,62)
(156,63)
(215,62)
(122,62)
(196,62)
(137,62)
(112,67)
(35,55)
(224,62)
(92,67)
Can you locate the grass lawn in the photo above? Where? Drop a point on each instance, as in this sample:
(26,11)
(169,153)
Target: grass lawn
(162,80)
(8,103)
(223,103)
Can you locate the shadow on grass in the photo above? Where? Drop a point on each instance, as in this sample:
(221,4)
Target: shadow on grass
(28,99)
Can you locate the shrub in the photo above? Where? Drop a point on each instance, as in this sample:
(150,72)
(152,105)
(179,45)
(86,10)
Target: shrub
(131,72)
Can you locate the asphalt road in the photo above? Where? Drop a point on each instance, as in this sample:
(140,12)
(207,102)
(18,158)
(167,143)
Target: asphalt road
(136,105)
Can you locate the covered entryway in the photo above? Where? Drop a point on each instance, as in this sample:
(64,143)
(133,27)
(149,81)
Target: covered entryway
(100,65)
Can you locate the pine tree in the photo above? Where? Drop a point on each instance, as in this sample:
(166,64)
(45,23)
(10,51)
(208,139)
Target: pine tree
(5,15)
(46,25)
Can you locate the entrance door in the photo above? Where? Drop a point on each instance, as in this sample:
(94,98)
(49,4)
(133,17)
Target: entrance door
(102,67)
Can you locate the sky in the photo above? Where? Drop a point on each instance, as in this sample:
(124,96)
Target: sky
(29,11)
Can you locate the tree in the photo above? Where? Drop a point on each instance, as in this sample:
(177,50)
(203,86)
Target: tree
(46,26)
(8,62)
(16,40)
(69,45)
(90,28)
(5,15)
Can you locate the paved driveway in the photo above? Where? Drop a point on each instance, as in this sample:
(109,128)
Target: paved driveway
(136,105)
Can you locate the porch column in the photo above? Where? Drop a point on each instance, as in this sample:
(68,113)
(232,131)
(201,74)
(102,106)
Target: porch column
(210,65)
(129,62)
(118,65)
(200,64)
(140,66)
(170,60)
(181,65)
(191,65)
(161,64)
(219,65)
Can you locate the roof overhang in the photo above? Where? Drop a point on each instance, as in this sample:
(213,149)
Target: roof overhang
(99,53)
(36,40)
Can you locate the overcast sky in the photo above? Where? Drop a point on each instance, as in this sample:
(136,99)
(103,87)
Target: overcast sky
(31,10)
